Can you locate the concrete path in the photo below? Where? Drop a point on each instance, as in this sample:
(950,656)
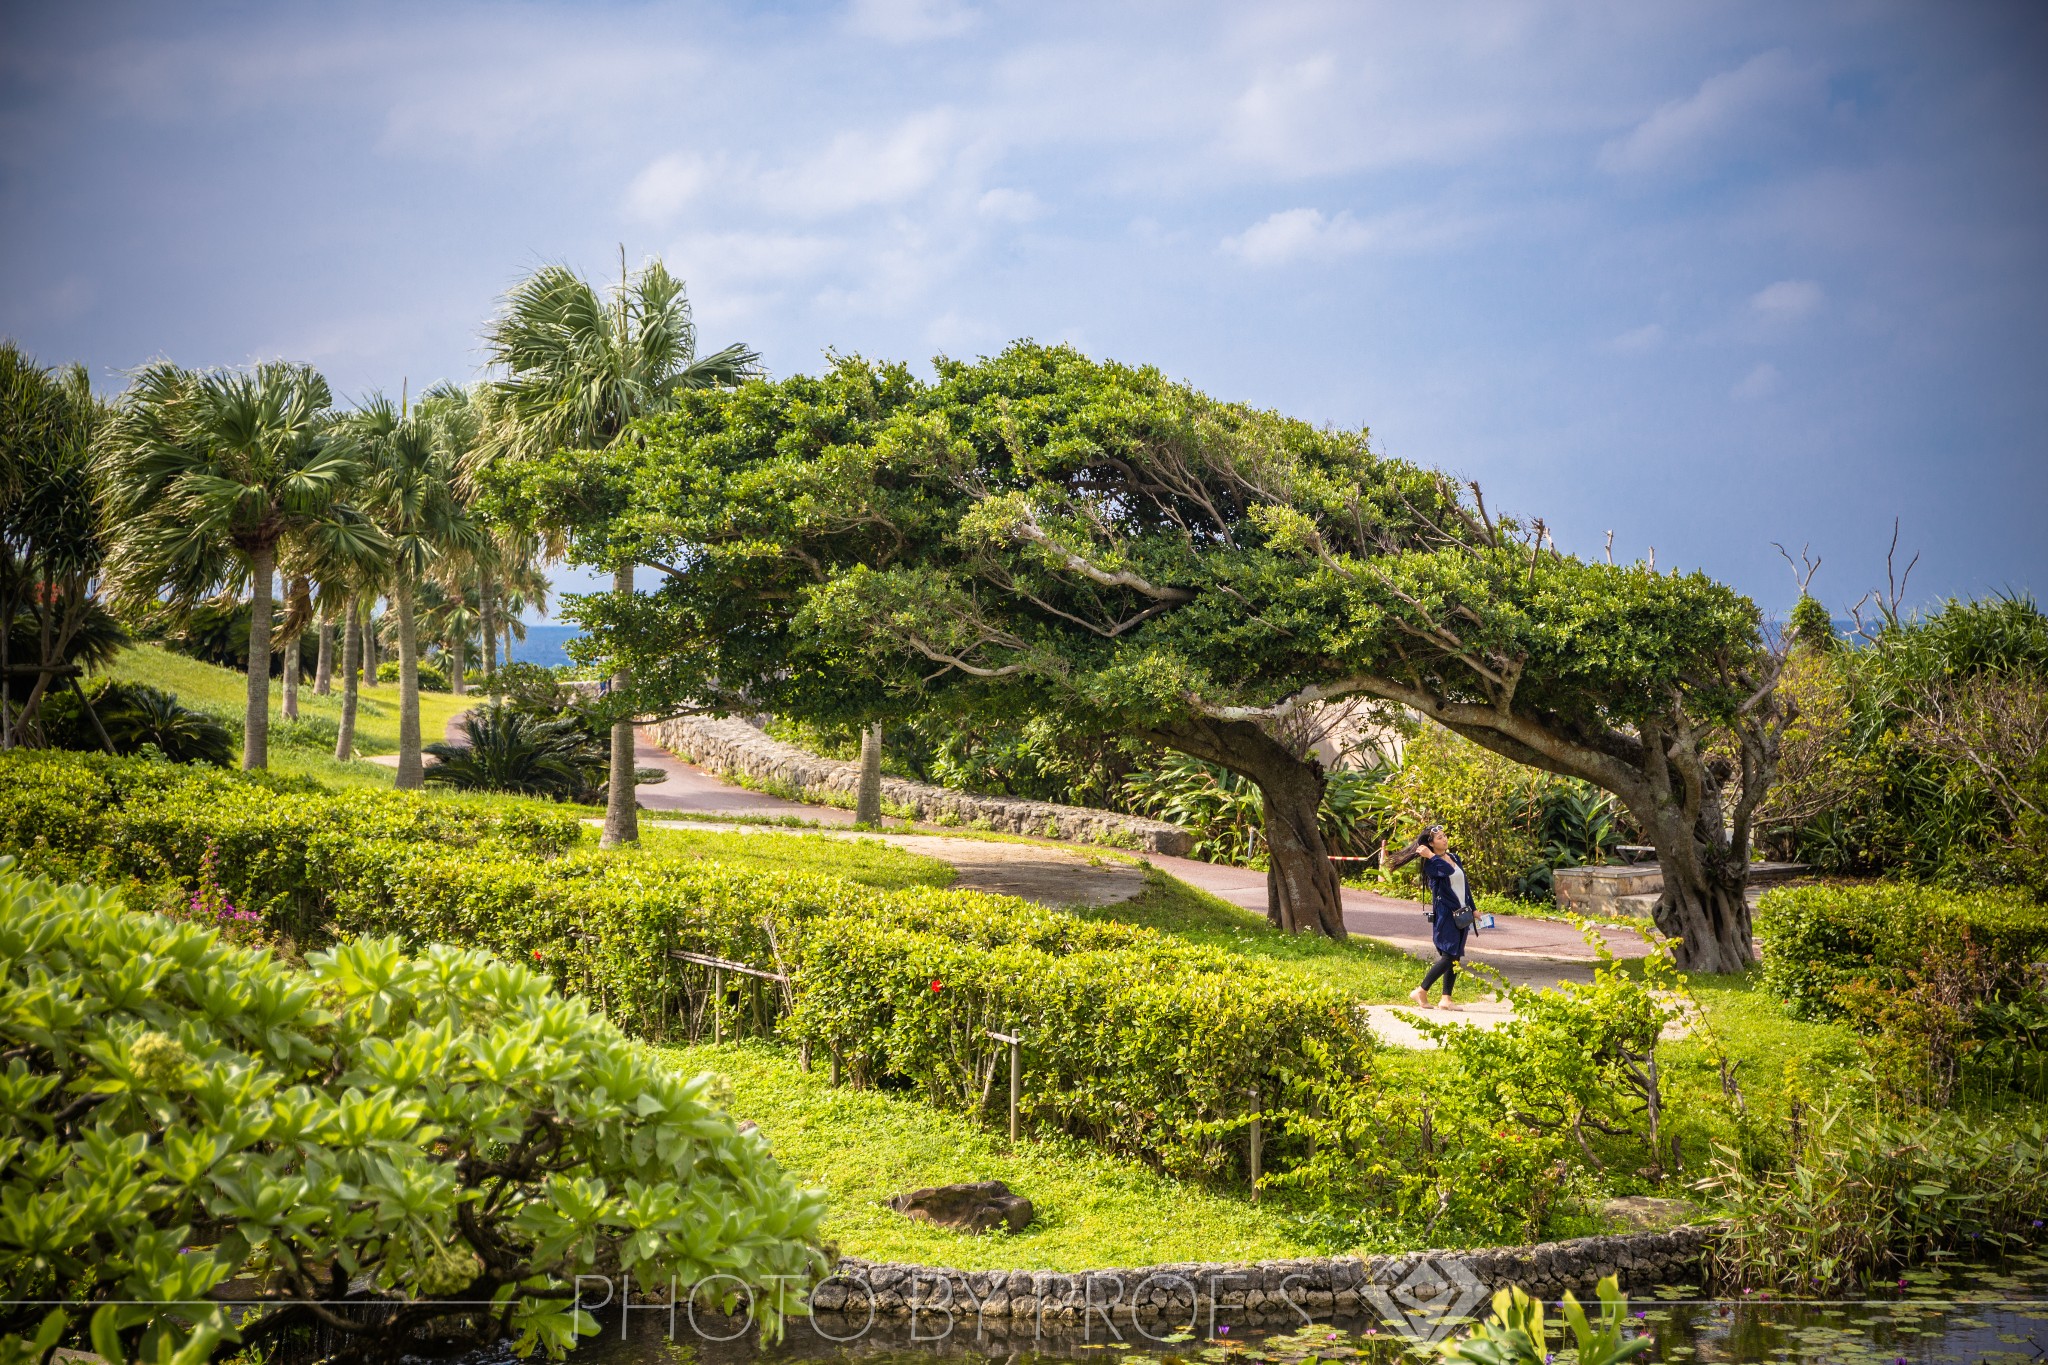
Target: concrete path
(1525,951)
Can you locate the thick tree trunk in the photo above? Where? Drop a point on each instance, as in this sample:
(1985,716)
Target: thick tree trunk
(351,671)
(867,805)
(323,661)
(1703,904)
(411,774)
(1302,890)
(256,712)
(456,683)
(370,650)
(621,814)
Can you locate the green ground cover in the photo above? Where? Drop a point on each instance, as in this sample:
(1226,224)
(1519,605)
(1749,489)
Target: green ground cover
(1093,1210)
(868,861)
(1362,967)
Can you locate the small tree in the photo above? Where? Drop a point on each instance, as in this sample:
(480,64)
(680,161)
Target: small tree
(203,474)
(1094,543)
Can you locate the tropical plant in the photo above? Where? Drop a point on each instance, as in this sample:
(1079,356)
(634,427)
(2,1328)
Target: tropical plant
(506,749)
(1517,1335)
(1094,543)
(410,489)
(579,371)
(437,1138)
(206,473)
(52,627)
(1226,812)
(136,714)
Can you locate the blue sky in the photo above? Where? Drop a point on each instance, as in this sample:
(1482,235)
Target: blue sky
(1706,276)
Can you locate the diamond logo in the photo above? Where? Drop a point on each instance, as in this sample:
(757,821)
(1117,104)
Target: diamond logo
(1430,1299)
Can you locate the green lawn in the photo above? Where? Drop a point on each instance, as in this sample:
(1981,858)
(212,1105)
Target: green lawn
(1093,1210)
(224,692)
(869,861)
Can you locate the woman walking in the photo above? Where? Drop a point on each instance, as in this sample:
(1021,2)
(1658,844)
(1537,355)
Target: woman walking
(1451,912)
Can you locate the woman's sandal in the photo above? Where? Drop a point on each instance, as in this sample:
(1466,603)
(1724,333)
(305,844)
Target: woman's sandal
(1445,1004)
(1420,997)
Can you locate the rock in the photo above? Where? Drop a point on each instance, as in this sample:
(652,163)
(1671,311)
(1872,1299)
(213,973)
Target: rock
(973,1207)
(1646,1213)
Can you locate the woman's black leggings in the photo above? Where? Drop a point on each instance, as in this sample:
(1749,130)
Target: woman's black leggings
(1447,968)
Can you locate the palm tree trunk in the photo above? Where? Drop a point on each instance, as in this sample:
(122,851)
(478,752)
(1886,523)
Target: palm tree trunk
(323,662)
(411,775)
(456,682)
(256,714)
(291,677)
(488,617)
(351,667)
(621,814)
(370,659)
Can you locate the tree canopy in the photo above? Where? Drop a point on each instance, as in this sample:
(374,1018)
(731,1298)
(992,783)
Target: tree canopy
(1047,533)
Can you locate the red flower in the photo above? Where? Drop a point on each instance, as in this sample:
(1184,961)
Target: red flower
(536,954)
(937,985)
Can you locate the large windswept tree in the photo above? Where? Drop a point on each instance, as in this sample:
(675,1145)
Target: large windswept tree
(204,474)
(1043,533)
(579,370)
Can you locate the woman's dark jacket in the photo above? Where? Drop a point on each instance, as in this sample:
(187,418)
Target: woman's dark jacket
(1441,876)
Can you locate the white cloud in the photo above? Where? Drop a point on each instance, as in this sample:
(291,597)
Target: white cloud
(754,257)
(860,169)
(1639,339)
(1759,383)
(1787,300)
(909,21)
(667,186)
(1008,205)
(1306,234)
(1747,103)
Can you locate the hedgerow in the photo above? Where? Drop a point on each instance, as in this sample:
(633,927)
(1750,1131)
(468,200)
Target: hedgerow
(177,1112)
(1132,1039)
(1819,939)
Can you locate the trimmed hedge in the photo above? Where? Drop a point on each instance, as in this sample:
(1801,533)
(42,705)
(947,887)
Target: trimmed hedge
(1132,1039)
(1818,939)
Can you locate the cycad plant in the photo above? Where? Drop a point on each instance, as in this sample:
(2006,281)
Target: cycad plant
(508,750)
(580,369)
(409,489)
(203,474)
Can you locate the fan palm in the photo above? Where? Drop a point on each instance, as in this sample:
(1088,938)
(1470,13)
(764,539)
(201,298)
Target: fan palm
(410,491)
(508,750)
(51,546)
(204,473)
(580,369)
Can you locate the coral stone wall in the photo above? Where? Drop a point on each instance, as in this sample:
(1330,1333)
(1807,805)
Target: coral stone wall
(734,746)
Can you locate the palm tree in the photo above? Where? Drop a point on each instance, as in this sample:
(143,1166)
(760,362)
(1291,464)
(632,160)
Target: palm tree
(410,491)
(204,473)
(51,544)
(579,371)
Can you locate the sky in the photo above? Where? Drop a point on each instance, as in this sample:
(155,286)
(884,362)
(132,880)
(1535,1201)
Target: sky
(1709,277)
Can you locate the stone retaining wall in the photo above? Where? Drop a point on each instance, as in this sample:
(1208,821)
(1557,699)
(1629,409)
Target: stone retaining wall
(734,746)
(1320,1286)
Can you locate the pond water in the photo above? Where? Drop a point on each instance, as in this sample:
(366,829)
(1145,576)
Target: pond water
(1956,1311)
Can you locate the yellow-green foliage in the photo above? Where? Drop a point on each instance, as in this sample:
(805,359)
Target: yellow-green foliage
(176,1111)
(1491,807)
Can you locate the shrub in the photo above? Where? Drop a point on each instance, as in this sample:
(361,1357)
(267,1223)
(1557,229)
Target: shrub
(179,1111)
(432,677)
(1491,807)
(1226,814)
(1818,939)
(135,714)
